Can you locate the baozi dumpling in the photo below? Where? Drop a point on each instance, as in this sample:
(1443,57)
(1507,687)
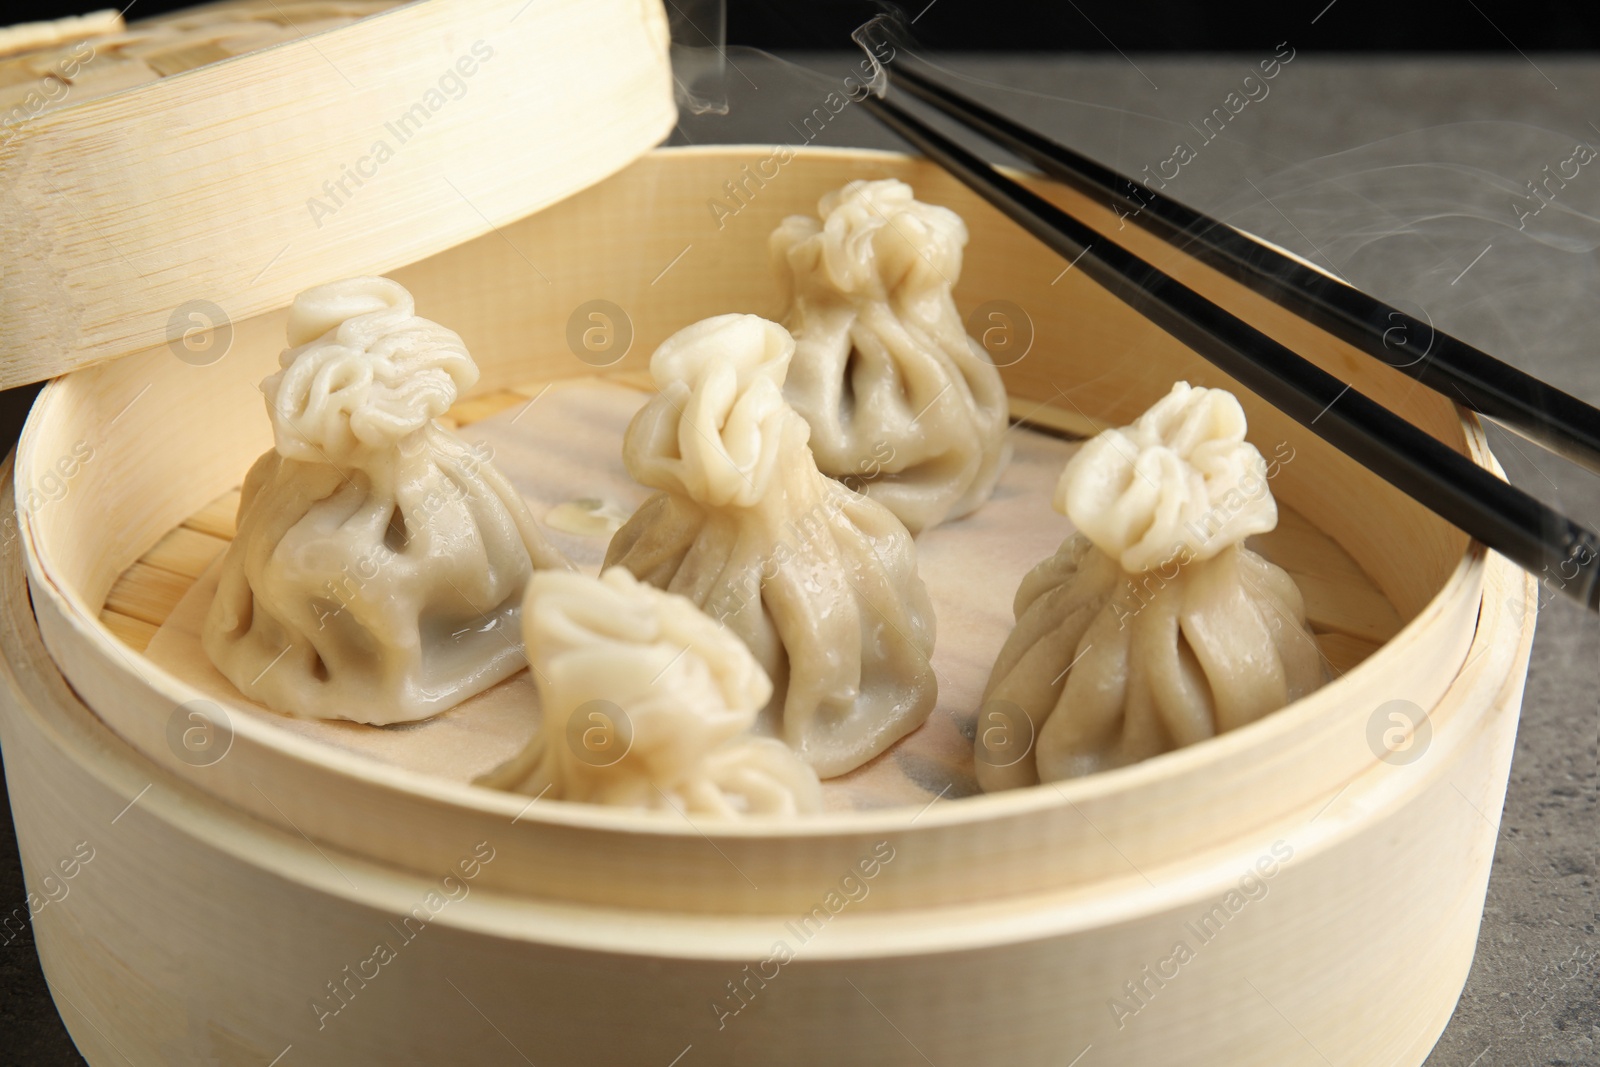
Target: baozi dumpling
(379,565)
(1153,627)
(899,399)
(647,703)
(819,581)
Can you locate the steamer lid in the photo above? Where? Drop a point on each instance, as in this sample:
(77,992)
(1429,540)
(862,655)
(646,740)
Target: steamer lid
(191,171)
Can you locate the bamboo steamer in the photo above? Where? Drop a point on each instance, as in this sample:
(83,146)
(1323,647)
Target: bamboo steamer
(207,165)
(225,901)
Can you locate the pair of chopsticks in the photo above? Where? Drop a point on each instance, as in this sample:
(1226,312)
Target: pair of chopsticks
(1559,551)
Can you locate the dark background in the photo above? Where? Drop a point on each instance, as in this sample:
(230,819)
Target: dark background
(31,1032)
(1180,25)
(1092,25)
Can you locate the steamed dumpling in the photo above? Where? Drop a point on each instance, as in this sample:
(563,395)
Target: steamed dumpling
(901,402)
(1153,627)
(819,582)
(379,565)
(1181,479)
(647,703)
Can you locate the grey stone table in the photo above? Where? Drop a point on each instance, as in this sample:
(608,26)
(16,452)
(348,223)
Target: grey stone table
(1411,178)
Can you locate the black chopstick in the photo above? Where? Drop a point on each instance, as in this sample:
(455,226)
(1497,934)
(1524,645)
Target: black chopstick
(1553,419)
(1501,516)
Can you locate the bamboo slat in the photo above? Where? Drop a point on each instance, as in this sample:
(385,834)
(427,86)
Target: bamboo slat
(185,551)
(135,633)
(216,518)
(148,593)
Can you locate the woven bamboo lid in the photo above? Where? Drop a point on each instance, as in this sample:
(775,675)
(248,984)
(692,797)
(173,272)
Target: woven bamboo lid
(188,172)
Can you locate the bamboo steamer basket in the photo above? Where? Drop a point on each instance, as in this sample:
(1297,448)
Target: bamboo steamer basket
(126,197)
(230,908)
